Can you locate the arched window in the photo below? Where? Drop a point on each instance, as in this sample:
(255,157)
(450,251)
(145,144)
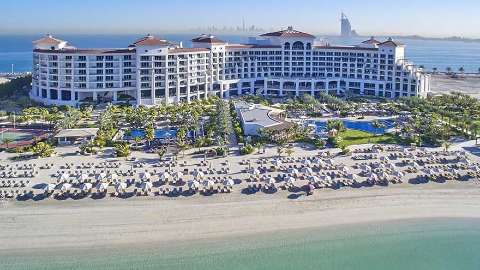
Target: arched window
(287,46)
(297,45)
(309,46)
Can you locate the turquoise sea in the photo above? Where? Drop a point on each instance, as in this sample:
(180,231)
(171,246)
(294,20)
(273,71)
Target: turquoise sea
(412,244)
(16,50)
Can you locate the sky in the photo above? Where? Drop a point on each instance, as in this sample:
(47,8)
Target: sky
(434,18)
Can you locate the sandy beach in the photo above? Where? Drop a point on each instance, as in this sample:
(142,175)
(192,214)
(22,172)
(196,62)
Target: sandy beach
(53,225)
(468,84)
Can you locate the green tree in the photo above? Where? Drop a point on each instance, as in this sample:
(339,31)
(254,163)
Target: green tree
(161,153)
(377,125)
(43,150)
(336,124)
(122,149)
(149,134)
(7,141)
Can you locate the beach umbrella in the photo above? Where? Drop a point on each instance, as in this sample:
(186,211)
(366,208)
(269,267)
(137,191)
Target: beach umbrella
(146,186)
(365,168)
(198,174)
(255,172)
(49,187)
(228,182)
(307,170)
(329,162)
(292,171)
(277,163)
(352,176)
(64,187)
(64,177)
(113,177)
(325,178)
(319,162)
(177,175)
(306,162)
(208,183)
(165,176)
(270,181)
(383,175)
(372,176)
(83,177)
(120,187)
(384,159)
(290,180)
(101,176)
(85,187)
(193,184)
(146,176)
(398,174)
(313,179)
(101,186)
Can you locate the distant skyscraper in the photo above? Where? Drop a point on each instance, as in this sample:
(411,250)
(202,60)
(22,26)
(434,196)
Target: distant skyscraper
(346,27)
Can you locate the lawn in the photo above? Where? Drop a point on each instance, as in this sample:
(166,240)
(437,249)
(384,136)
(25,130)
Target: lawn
(355,137)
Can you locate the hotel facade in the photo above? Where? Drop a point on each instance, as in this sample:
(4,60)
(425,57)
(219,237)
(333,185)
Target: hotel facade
(286,63)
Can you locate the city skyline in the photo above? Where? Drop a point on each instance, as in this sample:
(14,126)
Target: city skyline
(318,17)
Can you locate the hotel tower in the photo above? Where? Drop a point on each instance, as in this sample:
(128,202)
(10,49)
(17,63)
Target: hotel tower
(285,63)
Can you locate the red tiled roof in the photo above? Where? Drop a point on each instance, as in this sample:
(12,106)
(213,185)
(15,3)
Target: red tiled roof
(289,32)
(208,39)
(48,39)
(391,42)
(372,40)
(188,50)
(150,40)
(86,51)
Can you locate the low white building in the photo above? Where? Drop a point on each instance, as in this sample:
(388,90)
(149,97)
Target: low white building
(254,117)
(76,135)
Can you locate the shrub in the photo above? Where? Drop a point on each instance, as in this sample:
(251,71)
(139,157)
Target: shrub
(43,149)
(247,149)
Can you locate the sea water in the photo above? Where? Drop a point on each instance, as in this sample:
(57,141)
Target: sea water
(17,49)
(433,244)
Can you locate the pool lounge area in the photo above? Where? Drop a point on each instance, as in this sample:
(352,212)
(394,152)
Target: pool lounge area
(367,126)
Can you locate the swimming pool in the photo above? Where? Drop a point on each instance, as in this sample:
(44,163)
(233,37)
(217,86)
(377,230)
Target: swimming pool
(16,136)
(367,126)
(159,134)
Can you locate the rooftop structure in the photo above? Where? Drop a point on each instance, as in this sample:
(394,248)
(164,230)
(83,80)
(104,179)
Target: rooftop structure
(284,63)
(256,117)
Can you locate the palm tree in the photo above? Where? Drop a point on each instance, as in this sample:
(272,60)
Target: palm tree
(289,151)
(161,152)
(7,141)
(449,70)
(461,70)
(377,125)
(446,145)
(434,70)
(149,134)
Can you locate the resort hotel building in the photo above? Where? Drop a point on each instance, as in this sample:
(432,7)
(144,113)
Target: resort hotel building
(286,63)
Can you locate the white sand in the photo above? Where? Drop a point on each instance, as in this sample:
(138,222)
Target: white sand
(443,84)
(50,225)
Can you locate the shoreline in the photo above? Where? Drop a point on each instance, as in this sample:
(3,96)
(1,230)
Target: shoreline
(163,223)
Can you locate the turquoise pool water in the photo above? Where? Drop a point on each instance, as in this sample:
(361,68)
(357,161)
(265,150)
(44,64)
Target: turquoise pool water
(159,134)
(366,126)
(16,136)
(438,244)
